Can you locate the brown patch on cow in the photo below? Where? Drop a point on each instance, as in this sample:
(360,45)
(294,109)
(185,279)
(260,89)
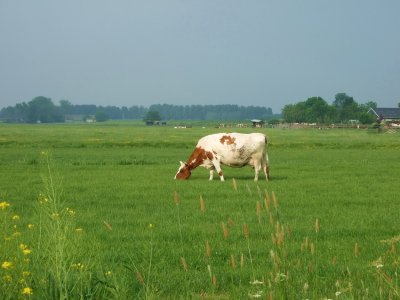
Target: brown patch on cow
(227,139)
(220,173)
(197,158)
(209,155)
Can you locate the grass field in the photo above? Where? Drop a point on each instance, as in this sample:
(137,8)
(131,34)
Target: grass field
(94,213)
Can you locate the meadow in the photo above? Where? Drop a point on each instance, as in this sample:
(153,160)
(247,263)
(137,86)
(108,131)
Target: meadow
(91,211)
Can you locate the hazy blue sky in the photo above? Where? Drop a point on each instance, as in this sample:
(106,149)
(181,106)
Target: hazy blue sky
(267,53)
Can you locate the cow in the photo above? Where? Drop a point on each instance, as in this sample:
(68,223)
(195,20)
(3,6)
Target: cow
(230,149)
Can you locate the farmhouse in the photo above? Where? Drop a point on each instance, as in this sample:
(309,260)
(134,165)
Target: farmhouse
(390,115)
(257,123)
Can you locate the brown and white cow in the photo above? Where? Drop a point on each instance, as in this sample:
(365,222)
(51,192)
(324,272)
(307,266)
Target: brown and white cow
(230,149)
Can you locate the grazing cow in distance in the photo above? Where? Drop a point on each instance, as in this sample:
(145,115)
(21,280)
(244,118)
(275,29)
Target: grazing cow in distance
(230,149)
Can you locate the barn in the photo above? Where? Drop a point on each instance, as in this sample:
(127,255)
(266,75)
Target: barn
(387,115)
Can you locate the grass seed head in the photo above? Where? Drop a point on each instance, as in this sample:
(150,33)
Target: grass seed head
(233,261)
(356,250)
(225,231)
(139,278)
(202,207)
(258,208)
(316,225)
(184,264)
(176,198)
(108,225)
(214,281)
(208,249)
(275,199)
(246,230)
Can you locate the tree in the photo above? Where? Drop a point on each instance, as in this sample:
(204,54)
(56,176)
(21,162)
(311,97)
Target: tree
(42,109)
(101,116)
(346,107)
(152,116)
(65,107)
(366,118)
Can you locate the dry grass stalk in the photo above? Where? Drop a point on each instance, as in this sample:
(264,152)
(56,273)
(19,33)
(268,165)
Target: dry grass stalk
(316,225)
(176,198)
(246,230)
(234,184)
(271,219)
(108,225)
(209,271)
(241,261)
(184,264)
(275,199)
(258,207)
(356,250)
(225,230)
(334,260)
(233,261)
(214,281)
(312,248)
(306,243)
(139,278)
(273,239)
(267,201)
(208,249)
(202,207)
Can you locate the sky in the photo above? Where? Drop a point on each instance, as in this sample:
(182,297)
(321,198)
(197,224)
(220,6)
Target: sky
(260,52)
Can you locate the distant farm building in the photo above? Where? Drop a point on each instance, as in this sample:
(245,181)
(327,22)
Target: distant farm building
(388,115)
(257,123)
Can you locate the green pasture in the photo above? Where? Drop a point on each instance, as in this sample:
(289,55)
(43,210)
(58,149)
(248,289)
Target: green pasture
(99,209)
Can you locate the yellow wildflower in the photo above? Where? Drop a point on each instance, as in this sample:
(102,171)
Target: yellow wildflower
(22,246)
(7,265)
(55,216)
(27,291)
(15,217)
(78,229)
(30,226)
(108,273)
(26,273)
(7,278)
(70,211)
(26,251)
(4,205)
(77,266)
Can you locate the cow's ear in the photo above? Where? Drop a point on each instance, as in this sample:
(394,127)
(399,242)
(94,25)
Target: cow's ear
(182,164)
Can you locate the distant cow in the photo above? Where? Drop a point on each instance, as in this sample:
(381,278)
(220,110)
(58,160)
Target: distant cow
(230,149)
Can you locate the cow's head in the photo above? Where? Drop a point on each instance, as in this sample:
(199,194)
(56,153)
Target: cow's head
(183,172)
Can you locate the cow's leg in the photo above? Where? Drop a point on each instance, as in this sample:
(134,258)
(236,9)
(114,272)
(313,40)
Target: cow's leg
(218,169)
(211,174)
(265,166)
(257,168)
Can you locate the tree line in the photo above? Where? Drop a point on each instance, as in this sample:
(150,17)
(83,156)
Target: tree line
(43,110)
(316,110)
